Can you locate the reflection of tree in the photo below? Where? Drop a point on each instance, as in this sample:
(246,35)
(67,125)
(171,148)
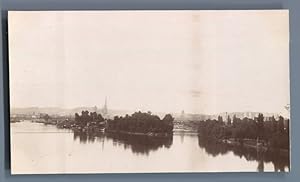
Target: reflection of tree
(181,134)
(85,137)
(216,148)
(212,147)
(280,162)
(261,166)
(142,144)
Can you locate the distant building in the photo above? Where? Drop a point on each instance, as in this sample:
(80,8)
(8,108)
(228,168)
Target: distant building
(95,109)
(182,116)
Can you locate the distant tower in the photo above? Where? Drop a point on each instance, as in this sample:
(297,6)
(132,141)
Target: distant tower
(105,110)
(182,116)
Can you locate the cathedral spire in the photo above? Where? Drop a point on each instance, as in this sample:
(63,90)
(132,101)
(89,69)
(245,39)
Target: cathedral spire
(105,106)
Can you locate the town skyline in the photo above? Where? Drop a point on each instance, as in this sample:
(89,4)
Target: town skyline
(122,111)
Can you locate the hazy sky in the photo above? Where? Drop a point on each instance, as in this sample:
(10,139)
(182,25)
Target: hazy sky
(197,61)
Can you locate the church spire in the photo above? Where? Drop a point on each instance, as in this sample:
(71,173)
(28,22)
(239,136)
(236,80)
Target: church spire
(105,106)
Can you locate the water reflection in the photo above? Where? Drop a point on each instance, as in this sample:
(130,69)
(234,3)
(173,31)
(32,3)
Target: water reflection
(279,160)
(115,151)
(139,144)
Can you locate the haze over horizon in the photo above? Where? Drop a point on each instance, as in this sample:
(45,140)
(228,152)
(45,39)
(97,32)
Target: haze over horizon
(157,61)
(100,107)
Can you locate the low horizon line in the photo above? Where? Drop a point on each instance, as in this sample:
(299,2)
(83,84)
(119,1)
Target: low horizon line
(178,112)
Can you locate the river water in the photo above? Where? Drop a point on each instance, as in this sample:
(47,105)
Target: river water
(39,148)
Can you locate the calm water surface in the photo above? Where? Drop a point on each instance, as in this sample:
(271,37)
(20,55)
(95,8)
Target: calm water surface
(39,148)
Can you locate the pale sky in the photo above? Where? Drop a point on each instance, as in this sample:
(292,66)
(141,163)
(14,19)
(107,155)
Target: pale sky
(198,61)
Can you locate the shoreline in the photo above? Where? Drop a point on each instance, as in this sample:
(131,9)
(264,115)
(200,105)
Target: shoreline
(140,133)
(259,148)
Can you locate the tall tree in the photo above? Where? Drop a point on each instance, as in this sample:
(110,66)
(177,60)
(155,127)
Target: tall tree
(260,125)
(228,120)
(234,121)
(280,125)
(220,119)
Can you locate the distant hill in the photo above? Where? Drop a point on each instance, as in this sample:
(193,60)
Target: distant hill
(37,110)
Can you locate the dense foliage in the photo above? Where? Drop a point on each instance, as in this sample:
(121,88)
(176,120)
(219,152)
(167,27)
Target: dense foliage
(88,119)
(141,123)
(273,133)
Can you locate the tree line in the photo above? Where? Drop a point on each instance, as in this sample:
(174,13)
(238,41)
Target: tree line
(272,133)
(140,122)
(89,119)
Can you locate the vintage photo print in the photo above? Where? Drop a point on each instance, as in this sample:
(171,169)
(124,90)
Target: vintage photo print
(149,91)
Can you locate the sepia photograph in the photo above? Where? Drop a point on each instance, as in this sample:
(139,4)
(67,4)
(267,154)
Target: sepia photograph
(149,91)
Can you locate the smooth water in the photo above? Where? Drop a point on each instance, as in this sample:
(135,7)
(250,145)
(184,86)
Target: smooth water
(39,148)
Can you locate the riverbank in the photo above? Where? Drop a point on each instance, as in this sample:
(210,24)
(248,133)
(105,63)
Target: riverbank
(141,134)
(15,121)
(46,122)
(95,128)
(253,144)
